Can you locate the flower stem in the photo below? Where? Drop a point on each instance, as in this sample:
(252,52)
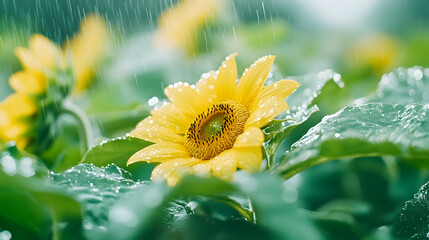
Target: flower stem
(84,125)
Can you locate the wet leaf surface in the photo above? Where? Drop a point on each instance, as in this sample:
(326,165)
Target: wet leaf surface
(302,106)
(412,223)
(116,151)
(374,129)
(403,85)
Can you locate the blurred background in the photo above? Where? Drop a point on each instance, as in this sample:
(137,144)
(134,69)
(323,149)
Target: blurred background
(149,44)
(361,40)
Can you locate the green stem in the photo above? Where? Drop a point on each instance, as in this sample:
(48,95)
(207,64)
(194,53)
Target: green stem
(246,213)
(82,119)
(251,209)
(270,159)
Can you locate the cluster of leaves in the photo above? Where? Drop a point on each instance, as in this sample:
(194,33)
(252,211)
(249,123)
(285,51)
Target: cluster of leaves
(383,141)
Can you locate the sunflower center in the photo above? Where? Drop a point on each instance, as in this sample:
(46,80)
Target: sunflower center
(216,130)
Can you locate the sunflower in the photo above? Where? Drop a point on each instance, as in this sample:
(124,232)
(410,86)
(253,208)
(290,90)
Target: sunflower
(19,110)
(86,49)
(213,127)
(181,25)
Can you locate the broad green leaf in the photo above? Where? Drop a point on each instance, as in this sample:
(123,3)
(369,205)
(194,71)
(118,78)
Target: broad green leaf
(119,122)
(311,87)
(97,189)
(374,129)
(403,85)
(134,215)
(302,106)
(116,151)
(273,209)
(412,223)
(278,129)
(28,205)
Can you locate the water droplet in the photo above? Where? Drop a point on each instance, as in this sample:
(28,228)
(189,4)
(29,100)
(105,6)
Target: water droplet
(418,74)
(9,165)
(290,195)
(26,167)
(153,101)
(5,235)
(124,216)
(152,198)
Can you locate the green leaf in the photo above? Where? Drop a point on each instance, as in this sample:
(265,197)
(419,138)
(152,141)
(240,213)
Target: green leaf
(116,151)
(117,123)
(278,129)
(311,87)
(403,85)
(28,206)
(374,129)
(97,189)
(412,222)
(273,208)
(134,215)
(302,106)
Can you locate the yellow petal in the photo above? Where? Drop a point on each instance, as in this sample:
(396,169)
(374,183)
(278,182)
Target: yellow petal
(173,170)
(28,82)
(46,52)
(248,158)
(186,98)
(252,137)
(253,80)
(281,89)
(203,168)
(267,109)
(22,142)
(224,165)
(87,48)
(15,130)
(219,86)
(159,152)
(27,59)
(17,105)
(208,88)
(170,116)
(4,118)
(150,130)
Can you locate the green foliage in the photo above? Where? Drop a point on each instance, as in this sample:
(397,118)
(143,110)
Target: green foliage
(31,209)
(116,151)
(412,222)
(132,210)
(403,85)
(302,106)
(370,130)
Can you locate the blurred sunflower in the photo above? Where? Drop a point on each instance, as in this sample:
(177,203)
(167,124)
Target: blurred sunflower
(181,25)
(379,52)
(86,49)
(213,128)
(19,110)
(45,67)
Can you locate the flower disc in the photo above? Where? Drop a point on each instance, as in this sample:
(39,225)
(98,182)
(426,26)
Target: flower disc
(216,130)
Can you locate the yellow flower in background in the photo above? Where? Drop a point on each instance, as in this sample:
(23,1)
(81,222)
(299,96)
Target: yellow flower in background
(377,51)
(16,112)
(86,49)
(40,62)
(178,26)
(213,128)
(42,55)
